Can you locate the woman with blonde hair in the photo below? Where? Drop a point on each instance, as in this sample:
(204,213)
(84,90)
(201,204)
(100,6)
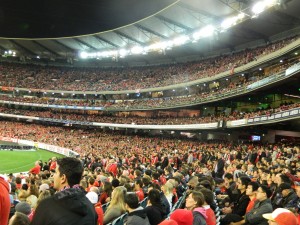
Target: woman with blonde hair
(42,196)
(117,205)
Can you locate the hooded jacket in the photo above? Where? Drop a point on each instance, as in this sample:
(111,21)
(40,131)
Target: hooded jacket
(137,217)
(69,206)
(4,202)
(199,215)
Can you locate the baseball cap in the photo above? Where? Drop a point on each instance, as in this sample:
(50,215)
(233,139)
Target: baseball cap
(282,217)
(92,196)
(168,222)
(182,216)
(44,187)
(23,207)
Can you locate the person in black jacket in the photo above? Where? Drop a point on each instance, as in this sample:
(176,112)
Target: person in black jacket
(68,205)
(236,213)
(154,209)
(219,167)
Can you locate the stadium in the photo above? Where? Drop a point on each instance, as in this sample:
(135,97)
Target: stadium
(150,112)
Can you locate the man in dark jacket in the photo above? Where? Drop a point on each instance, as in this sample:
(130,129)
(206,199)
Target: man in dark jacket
(136,213)
(69,205)
(238,210)
(288,194)
(263,205)
(219,167)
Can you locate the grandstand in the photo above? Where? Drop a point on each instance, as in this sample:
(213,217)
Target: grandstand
(174,97)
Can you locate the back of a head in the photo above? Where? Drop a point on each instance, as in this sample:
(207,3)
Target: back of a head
(132,200)
(154,197)
(72,168)
(19,219)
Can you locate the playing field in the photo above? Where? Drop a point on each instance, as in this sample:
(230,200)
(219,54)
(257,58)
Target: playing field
(21,161)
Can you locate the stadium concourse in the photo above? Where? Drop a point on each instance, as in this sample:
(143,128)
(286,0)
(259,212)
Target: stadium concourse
(175,113)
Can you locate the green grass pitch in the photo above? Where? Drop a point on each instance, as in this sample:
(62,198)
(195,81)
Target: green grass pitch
(22,161)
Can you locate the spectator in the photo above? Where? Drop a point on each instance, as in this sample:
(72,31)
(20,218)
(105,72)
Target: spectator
(136,213)
(36,169)
(19,219)
(154,208)
(281,216)
(262,206)
(195,202)
(69,205)
(183,217)
(117,205)
(4,201)
(93,197)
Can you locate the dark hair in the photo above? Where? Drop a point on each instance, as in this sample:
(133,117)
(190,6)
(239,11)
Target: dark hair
(132,200)
(206,184)
(115,183)
(155,175)
(91,180)
(20,219)
(18,180)
(155,186)
(266,190)
(285,178)
(208,195)
(228,176)
(154,197)
(71,168)
(139,182)
(245,180)
(138,173)
(254,185)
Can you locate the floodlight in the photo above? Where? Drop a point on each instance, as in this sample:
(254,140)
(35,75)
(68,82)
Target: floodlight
(204,32)
(137,50)
(259,7)
(83,55)
(228,22)
(181,40)
(123,52)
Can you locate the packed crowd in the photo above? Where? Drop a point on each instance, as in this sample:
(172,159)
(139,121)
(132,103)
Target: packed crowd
(233,87)
(115,79)
(170,120)
(186,181)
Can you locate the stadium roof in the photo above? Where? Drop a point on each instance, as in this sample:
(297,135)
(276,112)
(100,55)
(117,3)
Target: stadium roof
(62,29)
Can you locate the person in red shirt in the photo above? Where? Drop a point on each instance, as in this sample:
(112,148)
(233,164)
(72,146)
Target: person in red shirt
(112,167)
(36,169)
(93,197)
(138,187)
(4,202)
(251,192)
(53,163)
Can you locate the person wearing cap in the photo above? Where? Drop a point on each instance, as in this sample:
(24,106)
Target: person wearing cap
(93,197)
(263,205)
(182,217)
(23,207)
(281,216)
(69,204)
(288,194)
